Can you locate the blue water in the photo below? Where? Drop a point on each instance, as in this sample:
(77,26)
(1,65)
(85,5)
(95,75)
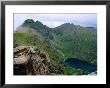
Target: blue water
(80,64)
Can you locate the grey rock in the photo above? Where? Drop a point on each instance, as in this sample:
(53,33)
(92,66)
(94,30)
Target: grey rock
(29,60)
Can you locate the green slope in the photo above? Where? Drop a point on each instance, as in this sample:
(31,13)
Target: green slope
(77,43)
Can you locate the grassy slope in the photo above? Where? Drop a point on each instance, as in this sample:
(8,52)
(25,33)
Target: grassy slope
(78,43)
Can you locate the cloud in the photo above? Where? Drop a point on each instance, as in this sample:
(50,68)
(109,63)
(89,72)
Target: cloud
(53,20)
(53,24)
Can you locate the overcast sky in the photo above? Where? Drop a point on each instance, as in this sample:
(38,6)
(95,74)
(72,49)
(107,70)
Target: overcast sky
(54,20)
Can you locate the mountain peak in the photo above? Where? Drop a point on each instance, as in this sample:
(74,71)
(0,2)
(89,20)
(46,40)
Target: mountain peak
(29,21)
(68,24)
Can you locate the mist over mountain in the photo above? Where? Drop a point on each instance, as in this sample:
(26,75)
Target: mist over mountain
(54,20)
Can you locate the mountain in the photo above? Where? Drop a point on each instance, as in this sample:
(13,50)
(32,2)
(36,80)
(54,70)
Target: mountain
(76,41)
(60,43)
(43,29)
(66,26)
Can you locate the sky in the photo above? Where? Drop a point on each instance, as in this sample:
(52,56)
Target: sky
(54,20)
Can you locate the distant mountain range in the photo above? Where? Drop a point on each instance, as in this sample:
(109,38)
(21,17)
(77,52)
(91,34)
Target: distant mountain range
(32,23)
(46,31)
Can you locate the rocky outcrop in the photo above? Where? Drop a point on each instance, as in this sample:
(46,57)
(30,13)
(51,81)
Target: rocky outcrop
(29,60)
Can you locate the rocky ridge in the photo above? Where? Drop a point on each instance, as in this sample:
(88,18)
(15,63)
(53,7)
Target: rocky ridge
(29,60)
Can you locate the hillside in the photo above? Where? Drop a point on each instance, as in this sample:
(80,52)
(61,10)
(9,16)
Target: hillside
(76,41)
(65,41)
